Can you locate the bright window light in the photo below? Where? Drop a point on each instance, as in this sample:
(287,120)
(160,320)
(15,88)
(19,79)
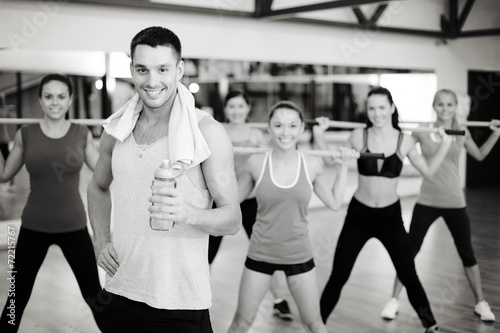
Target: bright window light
(110,84)
(413,95)
(194,87)
(99,84)
(119,65)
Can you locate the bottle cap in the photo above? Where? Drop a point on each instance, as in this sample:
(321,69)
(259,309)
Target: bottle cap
(169,170)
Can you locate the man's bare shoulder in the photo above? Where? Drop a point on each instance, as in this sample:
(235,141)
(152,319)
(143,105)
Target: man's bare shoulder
(216,136)
(208,125)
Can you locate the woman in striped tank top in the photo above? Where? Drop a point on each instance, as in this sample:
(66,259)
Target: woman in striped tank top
(284,179)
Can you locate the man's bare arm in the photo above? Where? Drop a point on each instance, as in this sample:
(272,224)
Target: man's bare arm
(99,203)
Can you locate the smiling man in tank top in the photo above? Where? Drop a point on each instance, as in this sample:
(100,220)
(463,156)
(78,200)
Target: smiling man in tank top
(158,281)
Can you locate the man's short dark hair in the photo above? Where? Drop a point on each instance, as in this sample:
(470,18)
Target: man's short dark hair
(157,36)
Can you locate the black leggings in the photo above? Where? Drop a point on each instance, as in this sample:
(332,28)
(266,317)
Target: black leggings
(4,150)
(31,249)
(248,215)
(458,223)
(385,224)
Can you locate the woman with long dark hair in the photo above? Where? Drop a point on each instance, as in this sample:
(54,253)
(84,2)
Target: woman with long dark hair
(375,209)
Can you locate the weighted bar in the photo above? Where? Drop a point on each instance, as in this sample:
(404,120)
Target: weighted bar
(433,130)
(327,153)
(467,123)
(352,125)
(332,123)
(312,122)
(348,124)
(454,132)
(337,124)
(23,121)
(477,123)
(321,153)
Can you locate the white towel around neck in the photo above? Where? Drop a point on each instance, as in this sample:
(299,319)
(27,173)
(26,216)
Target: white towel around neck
(186,142)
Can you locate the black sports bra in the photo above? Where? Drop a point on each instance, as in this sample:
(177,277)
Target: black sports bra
(391,168)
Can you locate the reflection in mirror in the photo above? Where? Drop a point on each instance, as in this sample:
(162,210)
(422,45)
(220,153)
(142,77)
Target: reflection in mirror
(320,90)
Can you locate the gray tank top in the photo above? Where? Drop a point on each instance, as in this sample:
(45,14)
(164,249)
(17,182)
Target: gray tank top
(280,234)
(164,269)
(443,189)
(54,204)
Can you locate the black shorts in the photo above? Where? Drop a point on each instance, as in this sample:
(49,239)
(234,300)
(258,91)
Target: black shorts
(267,268)
(127,316)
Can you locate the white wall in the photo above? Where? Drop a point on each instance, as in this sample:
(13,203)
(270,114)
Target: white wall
(50,25)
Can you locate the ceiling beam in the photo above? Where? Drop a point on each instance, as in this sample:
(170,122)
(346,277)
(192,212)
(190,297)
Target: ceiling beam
(465,14)
(372,29)
(369,25)
(480,33)
(359,15)
(452,26)
(378,13)
(146,4)
(453,9)
(262,7)
(373,20)
(292,11)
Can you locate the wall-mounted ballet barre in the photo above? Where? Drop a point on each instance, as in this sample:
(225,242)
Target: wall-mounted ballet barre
(321,153)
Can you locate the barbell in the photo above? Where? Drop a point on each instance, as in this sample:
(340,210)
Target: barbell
(407,126)
(321,153)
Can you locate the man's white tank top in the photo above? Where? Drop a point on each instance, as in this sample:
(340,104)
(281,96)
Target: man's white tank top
(164,269)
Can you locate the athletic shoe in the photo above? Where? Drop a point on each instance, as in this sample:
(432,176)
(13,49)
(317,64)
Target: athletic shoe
(483,310)
(391,309)
(282,310)
(433,329)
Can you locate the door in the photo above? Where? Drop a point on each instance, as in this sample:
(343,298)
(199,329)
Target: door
(484,90)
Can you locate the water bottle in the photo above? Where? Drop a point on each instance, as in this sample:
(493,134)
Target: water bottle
(165,176)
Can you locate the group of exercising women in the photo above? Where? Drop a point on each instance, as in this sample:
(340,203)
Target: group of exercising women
(283,179)
(275,188)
